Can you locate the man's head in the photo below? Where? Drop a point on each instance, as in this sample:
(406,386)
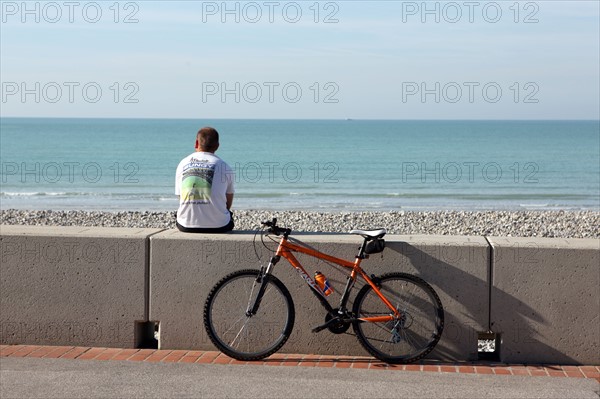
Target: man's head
(207,140)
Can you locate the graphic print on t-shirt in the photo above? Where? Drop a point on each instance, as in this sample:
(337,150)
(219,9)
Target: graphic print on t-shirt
(197,181)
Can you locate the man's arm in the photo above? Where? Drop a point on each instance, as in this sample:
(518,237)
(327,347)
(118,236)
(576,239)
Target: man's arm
(229,198)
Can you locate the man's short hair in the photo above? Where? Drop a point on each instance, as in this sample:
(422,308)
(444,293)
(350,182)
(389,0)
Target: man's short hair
(208,139)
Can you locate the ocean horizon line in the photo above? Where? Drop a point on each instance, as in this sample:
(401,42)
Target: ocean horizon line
(349,119)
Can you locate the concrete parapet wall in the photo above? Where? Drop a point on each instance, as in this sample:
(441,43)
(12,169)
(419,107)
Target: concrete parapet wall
(72,285)
(545,299)
(88,286)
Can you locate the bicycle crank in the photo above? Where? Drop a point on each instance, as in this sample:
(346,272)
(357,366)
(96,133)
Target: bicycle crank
(335,324)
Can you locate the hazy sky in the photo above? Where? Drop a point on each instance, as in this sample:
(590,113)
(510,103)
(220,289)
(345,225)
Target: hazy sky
(303,59)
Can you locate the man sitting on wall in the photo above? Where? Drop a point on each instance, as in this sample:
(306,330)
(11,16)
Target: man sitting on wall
(204,184)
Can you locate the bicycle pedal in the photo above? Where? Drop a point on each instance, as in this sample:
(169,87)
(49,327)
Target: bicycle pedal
(324,325)
(319,328)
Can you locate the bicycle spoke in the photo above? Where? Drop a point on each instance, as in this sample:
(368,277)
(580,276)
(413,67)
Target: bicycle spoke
(405,335)
(239,332)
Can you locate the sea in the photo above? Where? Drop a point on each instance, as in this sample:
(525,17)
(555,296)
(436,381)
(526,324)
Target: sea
(316,165)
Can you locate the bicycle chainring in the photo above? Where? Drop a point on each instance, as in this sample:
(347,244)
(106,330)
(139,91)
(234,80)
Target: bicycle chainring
(337,327)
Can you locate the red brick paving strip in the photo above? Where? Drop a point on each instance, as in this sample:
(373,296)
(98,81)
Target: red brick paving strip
(189,359)
(41,352)
(520,371)
(175,356)
(222,359)
(213,357)
(448,369)
(292,360)
(141,355)
(91,353)
(58,352)
(158,355)
(125,354)
(7,350)
(108,354)
(590,371)
(274,360)
(24,351)
(309,360)
(501,371)
(74,353)
(413,367)
(208,357)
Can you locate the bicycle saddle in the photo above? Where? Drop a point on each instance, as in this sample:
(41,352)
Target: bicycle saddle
(370,233)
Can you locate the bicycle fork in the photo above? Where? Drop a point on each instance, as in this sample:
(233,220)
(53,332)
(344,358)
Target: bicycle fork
(262,280)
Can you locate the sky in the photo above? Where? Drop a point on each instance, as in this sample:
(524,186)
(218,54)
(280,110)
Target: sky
(301,60)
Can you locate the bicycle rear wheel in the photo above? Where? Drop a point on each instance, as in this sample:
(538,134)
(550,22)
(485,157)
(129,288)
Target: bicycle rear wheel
(408,338)
(240,334)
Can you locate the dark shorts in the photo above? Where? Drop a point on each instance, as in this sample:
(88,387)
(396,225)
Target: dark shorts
(228,227)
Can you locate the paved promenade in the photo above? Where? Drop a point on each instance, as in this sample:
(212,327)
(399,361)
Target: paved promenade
(52,371)
(278,359)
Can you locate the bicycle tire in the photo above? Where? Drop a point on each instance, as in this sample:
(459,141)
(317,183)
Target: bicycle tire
(245,337)
(409,338)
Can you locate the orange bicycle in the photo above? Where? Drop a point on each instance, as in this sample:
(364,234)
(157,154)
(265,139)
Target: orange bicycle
(397,317)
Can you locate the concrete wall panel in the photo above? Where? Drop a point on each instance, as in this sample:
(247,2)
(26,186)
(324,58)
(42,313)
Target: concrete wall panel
(72,285)
(546,299)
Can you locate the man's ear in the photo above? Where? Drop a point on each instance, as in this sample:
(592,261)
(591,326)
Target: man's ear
(197,145)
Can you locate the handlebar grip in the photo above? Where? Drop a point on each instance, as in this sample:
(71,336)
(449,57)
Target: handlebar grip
(278,231)
(272,223)
(274,229)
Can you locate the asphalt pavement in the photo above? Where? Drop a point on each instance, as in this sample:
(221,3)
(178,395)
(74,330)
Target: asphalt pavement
(61,378)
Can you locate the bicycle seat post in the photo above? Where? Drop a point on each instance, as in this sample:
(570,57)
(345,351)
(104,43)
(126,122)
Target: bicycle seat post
(361,250)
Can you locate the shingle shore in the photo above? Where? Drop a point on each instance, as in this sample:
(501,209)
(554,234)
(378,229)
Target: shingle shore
(565,224)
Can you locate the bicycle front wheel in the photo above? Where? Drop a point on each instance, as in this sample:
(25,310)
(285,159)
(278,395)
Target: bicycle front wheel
(238,332)
(407,338)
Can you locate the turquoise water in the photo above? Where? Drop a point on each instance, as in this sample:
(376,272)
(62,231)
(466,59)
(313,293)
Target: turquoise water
(129,164)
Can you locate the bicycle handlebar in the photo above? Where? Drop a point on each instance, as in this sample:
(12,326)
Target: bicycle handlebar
(274,229)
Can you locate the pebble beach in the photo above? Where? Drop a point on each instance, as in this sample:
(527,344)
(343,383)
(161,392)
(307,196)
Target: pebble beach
(563,224)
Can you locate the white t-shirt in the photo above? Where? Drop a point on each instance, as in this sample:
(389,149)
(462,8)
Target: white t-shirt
(201,182)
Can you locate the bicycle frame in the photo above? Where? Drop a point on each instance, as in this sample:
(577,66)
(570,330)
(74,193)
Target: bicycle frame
(285,250)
